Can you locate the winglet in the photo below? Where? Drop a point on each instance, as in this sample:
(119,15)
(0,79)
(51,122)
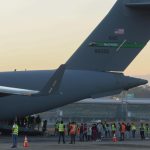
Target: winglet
(53,84)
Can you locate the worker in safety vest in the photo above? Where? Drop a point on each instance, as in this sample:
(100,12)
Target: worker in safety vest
(78,130)
(142,131)
(73,131)
(61,130)
(113,129)
(147,129)
(123,130)
(15,131)
(56,128)
(133,129)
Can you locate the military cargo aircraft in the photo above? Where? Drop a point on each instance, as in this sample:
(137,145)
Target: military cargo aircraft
(94,70)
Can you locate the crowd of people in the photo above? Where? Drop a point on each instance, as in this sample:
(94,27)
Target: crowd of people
(99,131)
(33,122)
(88,131)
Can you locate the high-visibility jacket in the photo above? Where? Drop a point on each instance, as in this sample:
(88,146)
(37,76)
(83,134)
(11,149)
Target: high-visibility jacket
(56,126)
(78,131)
(133,127)
(15,129)
(113,128)
(146,129)
(27,118)
(142,128)
(123,128)
(72,129)
(61,127)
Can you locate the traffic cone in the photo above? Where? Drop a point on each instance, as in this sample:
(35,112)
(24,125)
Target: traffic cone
(114,138)
(25,143)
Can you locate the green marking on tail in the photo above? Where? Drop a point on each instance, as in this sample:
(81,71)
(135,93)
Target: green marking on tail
(117,44)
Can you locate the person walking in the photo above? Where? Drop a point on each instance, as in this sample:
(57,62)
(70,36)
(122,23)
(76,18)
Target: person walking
(89,133)
(78,132)
(61,130)
(100,131)
(81,132)
(73,130)
(133,129)
(44,128)
(128,130)
(142,129)
(68,128)
(123,130)
(109,130)
(119,130)
(38,122)
(85,132)
(147,129)
(106,128)
(15,131)
(56,128)
(113,129)
(94,132)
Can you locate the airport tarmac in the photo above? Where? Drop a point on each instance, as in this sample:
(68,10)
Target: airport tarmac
(39,143)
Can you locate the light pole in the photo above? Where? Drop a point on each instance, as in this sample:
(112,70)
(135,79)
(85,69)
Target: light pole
(126,102)
(122,108)
(124,105)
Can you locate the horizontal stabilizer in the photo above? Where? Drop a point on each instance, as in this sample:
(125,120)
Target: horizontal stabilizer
(138,5)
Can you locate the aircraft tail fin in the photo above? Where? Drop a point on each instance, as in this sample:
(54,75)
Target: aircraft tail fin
(51,87)
(53,84)
(117,40)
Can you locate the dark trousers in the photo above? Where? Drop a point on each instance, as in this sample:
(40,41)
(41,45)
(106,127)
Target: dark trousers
(89,137)
(14,140)
(142,135)
(122,136)
(99,136)
(106,134)
(133,133)
(61,134)
(81,137)
(73,138)
(84,136)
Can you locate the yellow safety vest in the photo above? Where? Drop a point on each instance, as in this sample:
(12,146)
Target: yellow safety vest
(133,127)
(15,129)
(113,127)
(61,127)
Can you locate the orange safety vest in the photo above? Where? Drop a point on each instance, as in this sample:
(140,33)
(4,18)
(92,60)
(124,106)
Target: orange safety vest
(78,131)
(123,128)
(72,129)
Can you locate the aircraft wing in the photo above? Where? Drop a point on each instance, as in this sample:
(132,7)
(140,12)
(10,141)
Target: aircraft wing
(51,86)
(6,91)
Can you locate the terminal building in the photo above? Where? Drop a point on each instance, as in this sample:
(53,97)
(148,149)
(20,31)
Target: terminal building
(102,109)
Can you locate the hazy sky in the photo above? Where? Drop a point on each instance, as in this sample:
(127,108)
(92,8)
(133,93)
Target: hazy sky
(42,34)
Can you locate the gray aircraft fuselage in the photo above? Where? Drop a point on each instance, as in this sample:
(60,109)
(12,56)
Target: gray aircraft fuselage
(76,85)
(92,71)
